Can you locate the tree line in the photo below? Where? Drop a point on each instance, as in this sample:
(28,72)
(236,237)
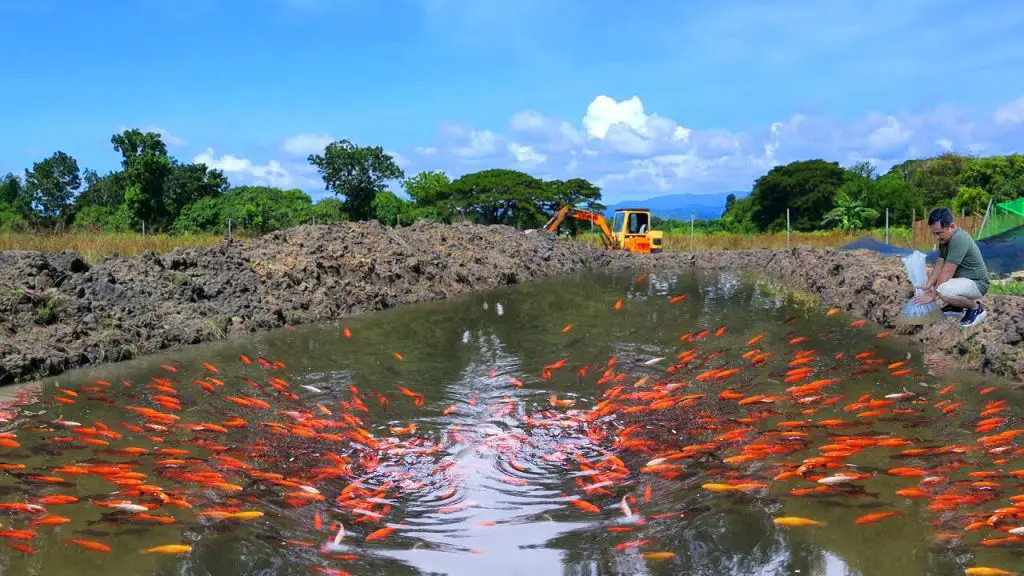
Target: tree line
(824,194)
(154,190)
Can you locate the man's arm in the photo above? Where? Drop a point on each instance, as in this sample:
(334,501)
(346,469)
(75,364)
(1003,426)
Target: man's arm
(933,277)
(945,272)
(955,254)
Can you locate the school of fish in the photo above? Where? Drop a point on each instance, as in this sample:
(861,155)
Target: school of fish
(240,444)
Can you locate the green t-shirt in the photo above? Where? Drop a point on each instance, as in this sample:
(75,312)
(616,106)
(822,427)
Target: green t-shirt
(962,251)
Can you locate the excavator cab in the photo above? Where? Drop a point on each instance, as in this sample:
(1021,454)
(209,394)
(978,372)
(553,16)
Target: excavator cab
(632,230)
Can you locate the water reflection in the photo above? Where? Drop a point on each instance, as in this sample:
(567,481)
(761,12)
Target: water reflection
(482,485)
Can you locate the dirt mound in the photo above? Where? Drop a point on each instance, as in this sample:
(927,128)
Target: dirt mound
(58,313)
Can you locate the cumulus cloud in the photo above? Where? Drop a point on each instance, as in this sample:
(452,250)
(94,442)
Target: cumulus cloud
(302,145)
(273,173)
(632,152)
(1011,112)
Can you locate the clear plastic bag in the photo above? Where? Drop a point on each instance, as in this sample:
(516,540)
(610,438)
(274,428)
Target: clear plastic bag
(913,313)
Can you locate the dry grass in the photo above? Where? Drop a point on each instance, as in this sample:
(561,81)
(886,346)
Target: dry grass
(92,247)
(678,241)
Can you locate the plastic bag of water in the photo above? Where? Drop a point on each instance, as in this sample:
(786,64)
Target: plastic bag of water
(913,313)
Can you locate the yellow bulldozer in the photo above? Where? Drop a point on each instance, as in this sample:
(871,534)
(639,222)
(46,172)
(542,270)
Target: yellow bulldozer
(630,229)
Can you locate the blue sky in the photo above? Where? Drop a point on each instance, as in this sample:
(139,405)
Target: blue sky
(646,97)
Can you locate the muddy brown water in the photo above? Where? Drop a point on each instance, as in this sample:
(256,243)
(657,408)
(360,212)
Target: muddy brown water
(481,485)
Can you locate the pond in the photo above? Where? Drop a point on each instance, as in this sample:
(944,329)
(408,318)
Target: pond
(660,424)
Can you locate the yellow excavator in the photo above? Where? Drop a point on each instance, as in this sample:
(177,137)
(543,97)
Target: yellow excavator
(630,229)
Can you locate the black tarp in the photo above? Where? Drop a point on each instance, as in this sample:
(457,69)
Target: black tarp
(1003,253)
(869,243)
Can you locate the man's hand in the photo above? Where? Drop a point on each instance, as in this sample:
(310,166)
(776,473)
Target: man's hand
(925,298)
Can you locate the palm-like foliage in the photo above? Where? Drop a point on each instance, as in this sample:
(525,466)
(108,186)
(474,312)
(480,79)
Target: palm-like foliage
(849,214)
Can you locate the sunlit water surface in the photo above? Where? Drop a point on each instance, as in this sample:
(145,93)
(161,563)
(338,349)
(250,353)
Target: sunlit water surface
(482,485)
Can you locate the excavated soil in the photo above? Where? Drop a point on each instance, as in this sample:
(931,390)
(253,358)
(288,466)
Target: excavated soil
(58,312)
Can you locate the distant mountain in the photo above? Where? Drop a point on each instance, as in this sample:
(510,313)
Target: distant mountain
(680,206)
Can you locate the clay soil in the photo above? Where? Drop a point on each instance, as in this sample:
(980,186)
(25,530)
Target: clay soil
(59,313)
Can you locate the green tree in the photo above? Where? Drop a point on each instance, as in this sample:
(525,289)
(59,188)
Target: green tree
(807,188)
(15,204)
(897,194)
(254,209)
(52,183)
(970,200)
(10,190)
(101,219)
(329,210)
(188,183)
(936,179)
(105,191)
(502,196)
(391,210)
(576,192)
(428,188)
(15,198)
(849,213)
(146,166)
(730,200)
(357,172)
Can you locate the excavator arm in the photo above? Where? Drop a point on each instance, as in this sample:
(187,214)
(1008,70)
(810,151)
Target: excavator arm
(586,215)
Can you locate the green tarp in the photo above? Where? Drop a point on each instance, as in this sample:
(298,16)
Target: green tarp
(1004,217)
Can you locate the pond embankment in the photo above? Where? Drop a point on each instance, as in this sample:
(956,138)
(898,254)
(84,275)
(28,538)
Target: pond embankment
(58,313)
(866,285)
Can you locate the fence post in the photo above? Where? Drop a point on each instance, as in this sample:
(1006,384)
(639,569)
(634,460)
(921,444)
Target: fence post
(693,216)
(143,228)
(913,228)
(985,219)
(886,225)
(787,229)
(314,219)
(229,229)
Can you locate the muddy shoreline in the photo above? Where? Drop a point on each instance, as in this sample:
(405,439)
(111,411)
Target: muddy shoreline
(866,285)
(58,313)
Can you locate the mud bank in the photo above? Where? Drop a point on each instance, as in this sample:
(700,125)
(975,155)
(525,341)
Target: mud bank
(869,286)
(59,313)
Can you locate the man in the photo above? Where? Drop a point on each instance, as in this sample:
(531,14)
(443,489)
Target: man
(959,277)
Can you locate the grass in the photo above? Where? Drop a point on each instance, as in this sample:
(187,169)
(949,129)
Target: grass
(1010,287)
(701,242)
(94,246)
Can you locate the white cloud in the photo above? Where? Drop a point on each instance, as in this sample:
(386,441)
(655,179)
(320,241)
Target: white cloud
(302,145)
(633,153)
(273,173)
(399,159)
(891,134)
(625,127)
(526,155)
(469,143)
(604,112)
(1011,112)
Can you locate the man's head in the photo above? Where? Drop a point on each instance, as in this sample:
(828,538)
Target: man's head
(941,223)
